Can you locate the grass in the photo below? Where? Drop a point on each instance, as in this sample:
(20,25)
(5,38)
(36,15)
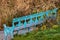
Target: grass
(49,34)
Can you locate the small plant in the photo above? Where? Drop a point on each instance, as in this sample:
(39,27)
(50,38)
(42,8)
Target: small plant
(43,27)
(55,26)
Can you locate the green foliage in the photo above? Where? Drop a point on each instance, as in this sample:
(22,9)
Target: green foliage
(49,34)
